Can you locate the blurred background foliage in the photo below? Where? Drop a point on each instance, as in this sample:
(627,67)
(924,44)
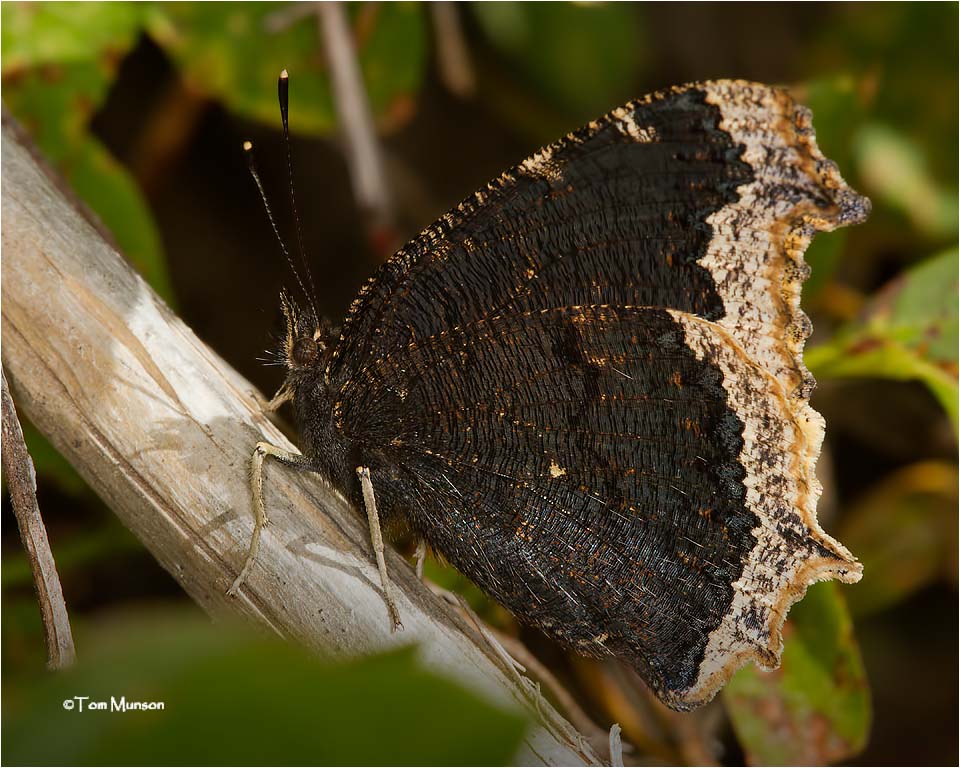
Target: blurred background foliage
(142,107)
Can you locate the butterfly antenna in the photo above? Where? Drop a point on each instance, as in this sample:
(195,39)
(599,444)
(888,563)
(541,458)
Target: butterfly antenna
(252,166)
(283,91)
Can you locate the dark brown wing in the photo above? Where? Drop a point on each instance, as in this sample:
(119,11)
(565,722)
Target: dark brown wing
(609,475)
(584,388)
(702,199)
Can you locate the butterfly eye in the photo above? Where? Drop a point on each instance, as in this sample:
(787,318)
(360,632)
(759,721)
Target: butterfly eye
(305,352)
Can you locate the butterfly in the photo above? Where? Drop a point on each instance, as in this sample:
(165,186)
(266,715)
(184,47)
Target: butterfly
(583,386)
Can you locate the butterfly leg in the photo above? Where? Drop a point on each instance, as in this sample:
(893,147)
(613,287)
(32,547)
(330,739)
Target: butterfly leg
(284,395)
(419,556)
(376,538)
(261,521)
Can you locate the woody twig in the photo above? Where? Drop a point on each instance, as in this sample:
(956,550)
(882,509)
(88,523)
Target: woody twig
(21,480)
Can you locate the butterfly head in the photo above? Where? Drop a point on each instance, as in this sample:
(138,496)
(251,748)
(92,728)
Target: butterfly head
(308,340)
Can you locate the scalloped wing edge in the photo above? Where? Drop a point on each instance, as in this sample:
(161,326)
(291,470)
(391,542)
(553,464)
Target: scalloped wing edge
(780,567)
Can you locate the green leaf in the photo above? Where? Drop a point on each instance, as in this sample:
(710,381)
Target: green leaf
(904,531)
(582,57)
(925,305)
(37,34)
(212,43)
(909,331)
(55,103)
(895,171)
(233,698)
(815,708)
(113,194)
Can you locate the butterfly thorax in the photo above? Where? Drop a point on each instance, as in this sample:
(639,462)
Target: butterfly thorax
(306,350)
(320,438)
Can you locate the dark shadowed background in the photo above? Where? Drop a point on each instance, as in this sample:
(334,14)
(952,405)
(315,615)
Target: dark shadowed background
(143,108)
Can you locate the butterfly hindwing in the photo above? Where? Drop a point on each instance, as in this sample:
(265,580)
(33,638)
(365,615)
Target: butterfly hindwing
(598,489)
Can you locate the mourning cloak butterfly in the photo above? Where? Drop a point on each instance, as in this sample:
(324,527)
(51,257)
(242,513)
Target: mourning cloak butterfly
(583,386)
